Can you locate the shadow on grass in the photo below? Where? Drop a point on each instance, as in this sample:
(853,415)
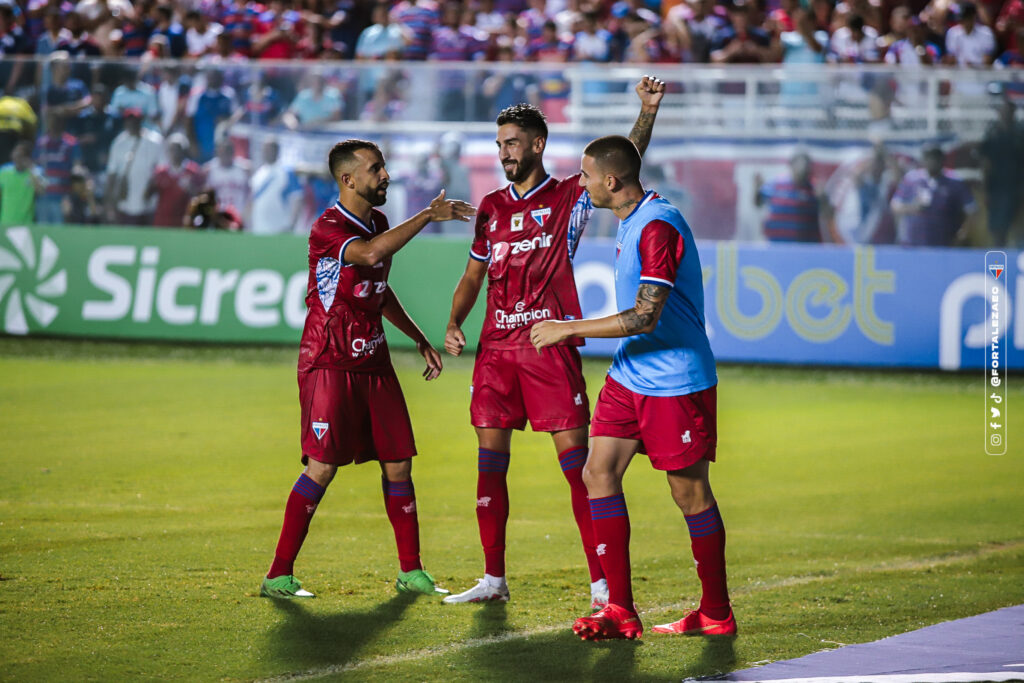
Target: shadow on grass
(305,640)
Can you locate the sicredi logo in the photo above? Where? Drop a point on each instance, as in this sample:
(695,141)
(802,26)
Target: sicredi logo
(131,284)
(28,278)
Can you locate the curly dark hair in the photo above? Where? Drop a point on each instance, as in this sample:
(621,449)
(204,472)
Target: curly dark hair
(344,152)
(527,117)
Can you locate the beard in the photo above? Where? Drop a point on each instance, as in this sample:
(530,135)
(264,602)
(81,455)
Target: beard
(520,170)
(377,196)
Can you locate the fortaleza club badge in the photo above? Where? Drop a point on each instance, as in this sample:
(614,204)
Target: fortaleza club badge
(996,270)
(320,428)
(540,215)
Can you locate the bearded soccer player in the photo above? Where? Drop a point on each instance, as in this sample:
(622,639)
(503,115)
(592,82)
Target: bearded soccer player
(526,235)
(659,397)
(353,410)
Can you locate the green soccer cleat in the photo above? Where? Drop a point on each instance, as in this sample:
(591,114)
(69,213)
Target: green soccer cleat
(418,581)
(286,586)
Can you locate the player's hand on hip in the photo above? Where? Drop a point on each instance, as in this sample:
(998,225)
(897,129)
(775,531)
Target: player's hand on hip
(650,90)
(433,359)
(454,340)
(547,333)
(442,209)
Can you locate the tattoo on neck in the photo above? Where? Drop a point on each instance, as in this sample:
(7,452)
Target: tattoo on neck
(625,205)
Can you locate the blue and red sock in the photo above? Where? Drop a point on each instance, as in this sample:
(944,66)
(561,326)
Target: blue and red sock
(492,507)
(611,534)
(298,512)
(400,503)
(707,540)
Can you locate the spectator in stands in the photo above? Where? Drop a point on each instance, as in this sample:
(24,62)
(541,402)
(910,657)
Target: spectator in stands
(793,204)
(172,94)
(931,204)
(315,105)
(451,43)
(134,94)
(56,152)
(592,42)
(174,183)
(225,59)
(206,213)
(213,104)
(504,88)
(1009,24)
(970,43)
(275,195)
(80,206)
(899,26)
(854,43)
(278,33)
(914,50)
(387,102)
(77,42)
(228,175)
(1002,155)
(691,27)
(801,46)
(488,19)
(69,96)
(741,42)
(875,184)
(134,156)
(418,19)
(166,25)
(822,11)
(17,123)
(200,34)
(13,42)
(53,32)
(1013,58)
(239,25)
(382,39)
(20,182)
(646,39)
(95,129)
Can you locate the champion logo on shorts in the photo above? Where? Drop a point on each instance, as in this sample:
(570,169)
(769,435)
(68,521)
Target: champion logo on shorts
(320,428)
(483,502)
(686,436)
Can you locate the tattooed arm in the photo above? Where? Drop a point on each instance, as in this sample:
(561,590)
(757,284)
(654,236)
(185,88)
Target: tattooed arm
(650,90)
(641,319)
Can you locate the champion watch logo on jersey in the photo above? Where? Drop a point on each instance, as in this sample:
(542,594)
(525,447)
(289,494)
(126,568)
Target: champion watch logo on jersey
(320,428)
(540,215)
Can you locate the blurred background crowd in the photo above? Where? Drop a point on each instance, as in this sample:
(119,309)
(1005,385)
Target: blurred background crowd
(120,112)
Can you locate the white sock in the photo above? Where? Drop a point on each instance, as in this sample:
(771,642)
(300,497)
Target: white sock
(599,586)
(496,581)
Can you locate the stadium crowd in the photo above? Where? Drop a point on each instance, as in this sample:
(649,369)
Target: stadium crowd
(135,139)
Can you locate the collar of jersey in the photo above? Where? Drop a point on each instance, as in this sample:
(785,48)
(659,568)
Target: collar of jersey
(515,195)
(647,197)
(351,216)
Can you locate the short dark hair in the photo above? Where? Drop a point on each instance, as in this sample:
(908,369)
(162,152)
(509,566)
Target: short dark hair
(527,117)
(345,152)
(968,10)
(616,155)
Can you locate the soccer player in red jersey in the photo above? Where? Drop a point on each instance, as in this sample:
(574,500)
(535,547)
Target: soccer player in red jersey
(659,397)
(526,235)
(353,410)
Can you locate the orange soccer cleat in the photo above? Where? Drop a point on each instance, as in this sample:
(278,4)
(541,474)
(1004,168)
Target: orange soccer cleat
(697,624)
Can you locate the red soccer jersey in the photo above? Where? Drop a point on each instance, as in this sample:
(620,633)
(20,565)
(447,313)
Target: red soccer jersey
(343,328)
(175,188)
(529,243)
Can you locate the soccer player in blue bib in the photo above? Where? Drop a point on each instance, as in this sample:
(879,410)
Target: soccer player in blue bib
(659,397)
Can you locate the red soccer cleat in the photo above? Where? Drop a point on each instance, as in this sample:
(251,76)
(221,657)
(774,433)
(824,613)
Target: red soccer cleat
(609,623)
(696,624)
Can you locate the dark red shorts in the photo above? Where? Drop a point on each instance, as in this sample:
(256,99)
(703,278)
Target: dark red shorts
(674,431)
(513,386)
(353,417)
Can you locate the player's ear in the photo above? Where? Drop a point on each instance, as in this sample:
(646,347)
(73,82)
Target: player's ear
(539,143)
(346,180)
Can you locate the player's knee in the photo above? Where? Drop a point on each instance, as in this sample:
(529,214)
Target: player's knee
(321,473)
(599,479)
(397,471)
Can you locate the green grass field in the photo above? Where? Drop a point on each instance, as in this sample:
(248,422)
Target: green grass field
(142,489)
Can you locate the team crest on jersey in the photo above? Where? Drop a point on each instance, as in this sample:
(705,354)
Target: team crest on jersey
(320,428)
(996,270)
(517,222)
(540,215)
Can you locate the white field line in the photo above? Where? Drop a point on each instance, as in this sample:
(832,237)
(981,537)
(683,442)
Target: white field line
(758,587)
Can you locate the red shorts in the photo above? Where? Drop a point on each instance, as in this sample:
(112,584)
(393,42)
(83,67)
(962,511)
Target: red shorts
(674,431)
(353,417)
(511,386)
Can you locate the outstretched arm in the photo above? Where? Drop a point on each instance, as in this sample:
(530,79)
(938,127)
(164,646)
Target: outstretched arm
(650,90)
(373,251)
(397,316)
(641,319)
